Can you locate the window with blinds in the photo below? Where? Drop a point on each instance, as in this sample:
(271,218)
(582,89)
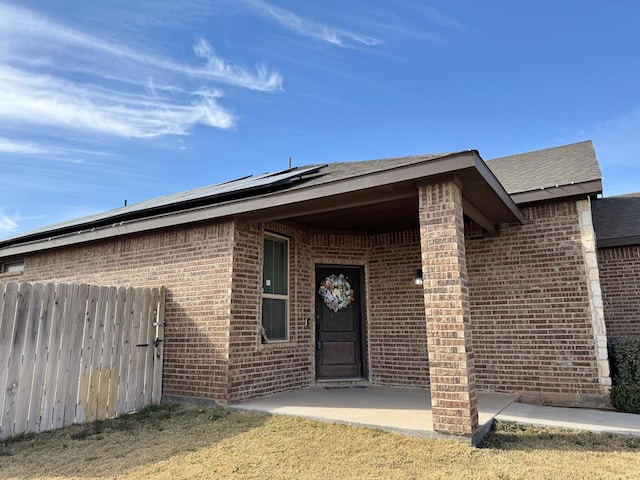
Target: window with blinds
(275,288)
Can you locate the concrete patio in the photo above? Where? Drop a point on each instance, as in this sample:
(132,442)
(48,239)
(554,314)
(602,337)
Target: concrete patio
(408,411)
(401,410)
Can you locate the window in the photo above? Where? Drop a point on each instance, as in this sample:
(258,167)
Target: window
(15,266)
(275,288)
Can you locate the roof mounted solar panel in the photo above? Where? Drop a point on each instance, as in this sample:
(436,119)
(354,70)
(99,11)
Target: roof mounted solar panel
(220,191)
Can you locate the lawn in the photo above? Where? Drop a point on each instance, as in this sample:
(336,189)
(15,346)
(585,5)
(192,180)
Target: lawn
(178,443)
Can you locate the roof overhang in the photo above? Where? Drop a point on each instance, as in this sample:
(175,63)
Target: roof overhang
(617,241)
(558,192)
(485,201)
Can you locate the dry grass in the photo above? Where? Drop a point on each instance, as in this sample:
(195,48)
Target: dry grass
(178,443)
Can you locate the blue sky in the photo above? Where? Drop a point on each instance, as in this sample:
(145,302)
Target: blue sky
(104,101)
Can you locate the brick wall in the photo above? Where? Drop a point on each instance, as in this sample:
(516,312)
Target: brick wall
(195,266)
(620,283)
(394,321)
(396,346)
(397,326)
(257,369)
(532,330)
(528,298)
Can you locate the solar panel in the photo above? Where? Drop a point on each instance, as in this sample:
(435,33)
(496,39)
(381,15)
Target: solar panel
(211,192)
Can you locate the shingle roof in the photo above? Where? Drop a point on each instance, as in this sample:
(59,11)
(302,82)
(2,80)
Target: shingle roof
(551,167)
(616,220)
(344,170)
(290,179)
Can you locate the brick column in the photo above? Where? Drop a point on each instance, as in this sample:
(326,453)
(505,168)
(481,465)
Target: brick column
(446,297)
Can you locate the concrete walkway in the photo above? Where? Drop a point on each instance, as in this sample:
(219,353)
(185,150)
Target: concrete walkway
(574,418)
(402,410)
(408,411)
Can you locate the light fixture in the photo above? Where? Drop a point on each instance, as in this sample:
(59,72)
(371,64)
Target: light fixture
(418,280)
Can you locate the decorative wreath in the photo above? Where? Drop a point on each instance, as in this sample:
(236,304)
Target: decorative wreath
(336,292)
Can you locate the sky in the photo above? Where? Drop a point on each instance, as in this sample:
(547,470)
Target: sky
(107,100)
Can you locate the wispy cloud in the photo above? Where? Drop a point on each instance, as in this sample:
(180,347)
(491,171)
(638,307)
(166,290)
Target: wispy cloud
(41,62)
(44,100)
(220,68)
(308,27)
(618,139)
(8,223)
(50,152)
(19,147)
(433,15)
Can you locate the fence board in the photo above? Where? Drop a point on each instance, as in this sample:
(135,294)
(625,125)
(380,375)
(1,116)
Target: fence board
(14,377)
(68,354)
(116,356)
(88,346)
(44,332)
(159,350)
(62,379)
(93,387)
(10,298)
(125,352)
(53,362)
(29,357)
(102,396)
(75,354)
(134,353)
(144,395)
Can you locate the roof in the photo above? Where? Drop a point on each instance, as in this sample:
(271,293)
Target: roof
(228,190)
(211,193)
(549,173)
(616,220)
(301,194)
(496,186)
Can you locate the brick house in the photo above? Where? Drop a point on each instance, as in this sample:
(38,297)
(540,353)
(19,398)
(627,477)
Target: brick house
(617,224)
(463,275)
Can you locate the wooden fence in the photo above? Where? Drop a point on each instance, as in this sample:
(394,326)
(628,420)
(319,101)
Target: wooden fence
(73,353)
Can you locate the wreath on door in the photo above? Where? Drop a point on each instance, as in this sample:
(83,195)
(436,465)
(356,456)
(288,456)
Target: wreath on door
(336,292)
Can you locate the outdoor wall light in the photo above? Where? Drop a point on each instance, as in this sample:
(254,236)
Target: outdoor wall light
(418,280)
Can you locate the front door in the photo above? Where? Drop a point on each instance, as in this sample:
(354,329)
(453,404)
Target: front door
(338,323)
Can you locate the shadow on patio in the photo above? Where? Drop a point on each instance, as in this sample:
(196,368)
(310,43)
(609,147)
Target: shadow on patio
(402,410)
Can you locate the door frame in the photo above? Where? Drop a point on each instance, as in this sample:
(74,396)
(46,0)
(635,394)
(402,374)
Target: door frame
(364,344)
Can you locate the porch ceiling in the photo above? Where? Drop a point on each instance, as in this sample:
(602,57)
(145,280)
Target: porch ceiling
(389,216)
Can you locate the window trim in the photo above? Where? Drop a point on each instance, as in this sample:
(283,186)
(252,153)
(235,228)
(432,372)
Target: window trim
(265,340)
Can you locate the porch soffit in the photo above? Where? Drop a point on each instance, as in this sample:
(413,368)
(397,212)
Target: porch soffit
(375,201)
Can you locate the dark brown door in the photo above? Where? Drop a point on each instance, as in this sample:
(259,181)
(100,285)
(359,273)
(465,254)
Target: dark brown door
(339,334)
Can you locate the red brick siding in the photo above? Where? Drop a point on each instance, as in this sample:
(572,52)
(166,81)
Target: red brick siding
(532,330)
(194,264)
(446,298)
(397,326)
(620,283)
(257,369)
(527,290)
